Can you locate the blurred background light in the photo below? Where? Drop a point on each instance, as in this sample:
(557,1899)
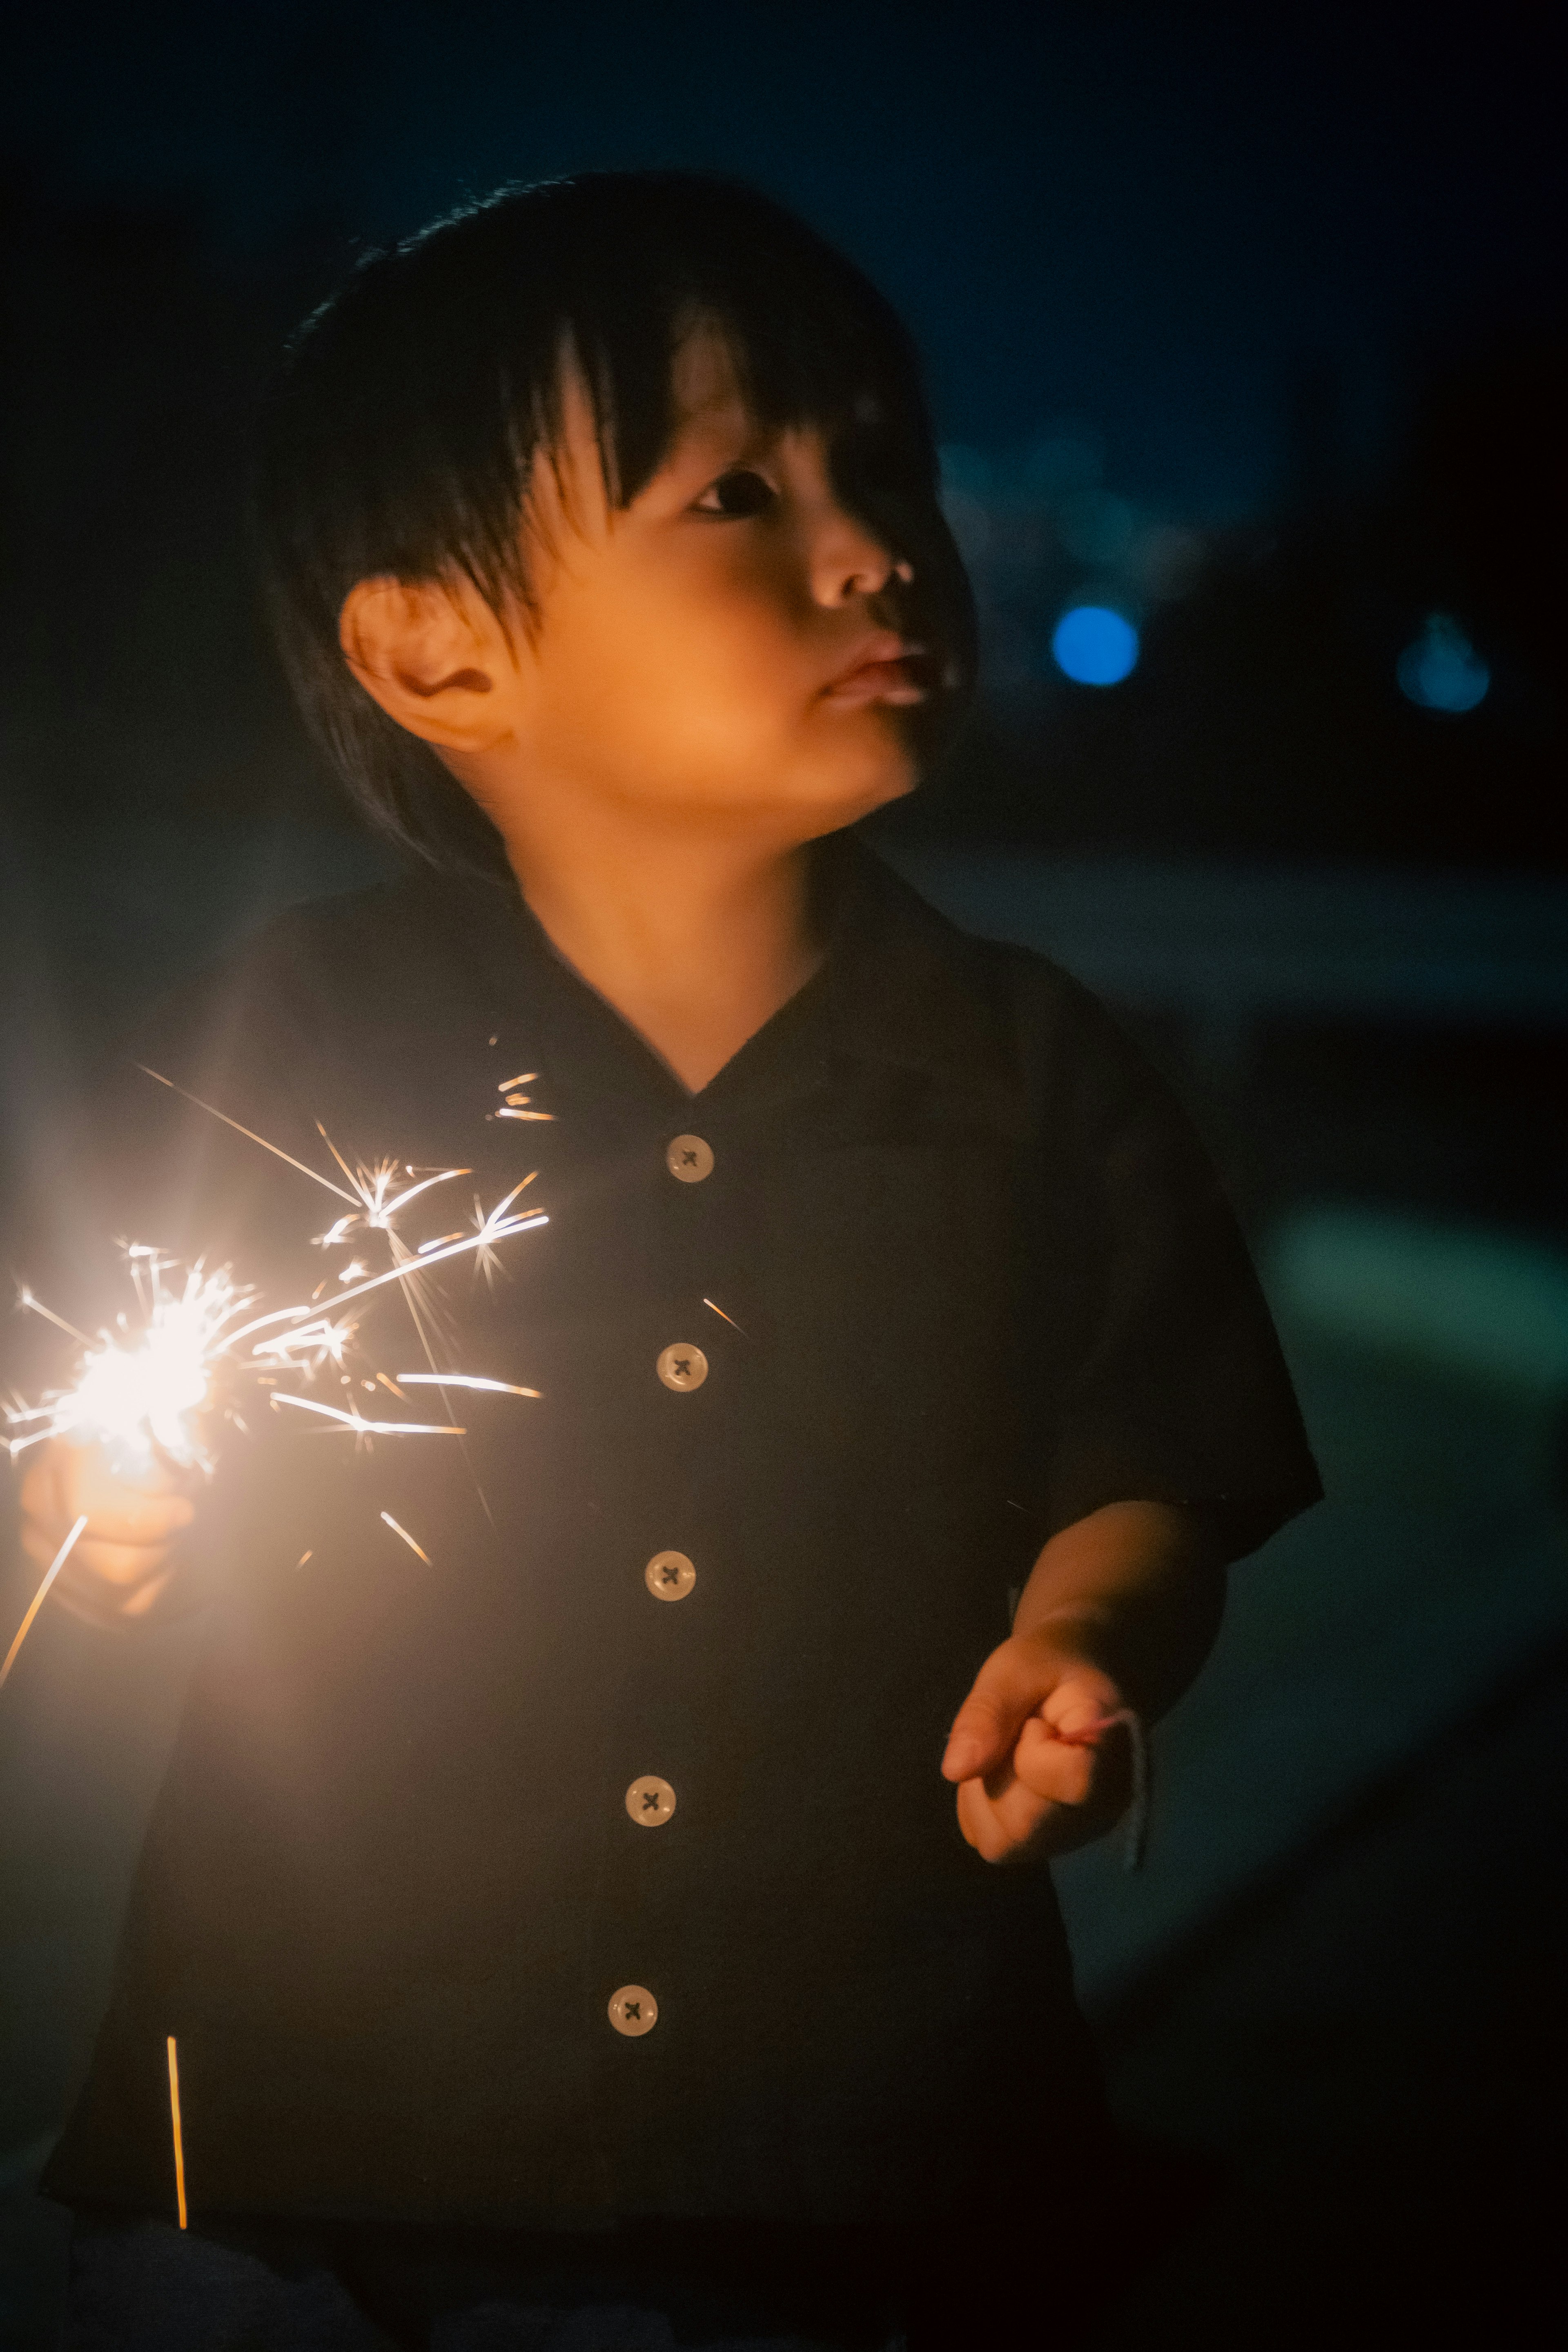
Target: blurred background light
(1442,670)
(1093,646)
(968,472)
(1095,527)
(1060,462)
(1166,559)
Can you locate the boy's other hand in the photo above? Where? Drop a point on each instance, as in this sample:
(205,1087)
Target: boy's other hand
(1030,1784)
(121,1565)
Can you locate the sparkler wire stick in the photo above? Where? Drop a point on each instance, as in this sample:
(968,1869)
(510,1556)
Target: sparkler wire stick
(1135,1836)
(174,2122)
(41,1595)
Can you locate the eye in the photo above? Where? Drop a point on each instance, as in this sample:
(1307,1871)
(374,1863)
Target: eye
(740,493)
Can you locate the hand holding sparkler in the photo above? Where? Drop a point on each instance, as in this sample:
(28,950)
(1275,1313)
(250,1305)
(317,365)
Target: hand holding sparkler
(119,1452)
(1046,1751)
(121,1564)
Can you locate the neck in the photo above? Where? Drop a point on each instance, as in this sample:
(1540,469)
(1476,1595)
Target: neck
(695,938)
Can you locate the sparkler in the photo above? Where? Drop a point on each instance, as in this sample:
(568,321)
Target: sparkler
(1135,1834)
(148,1394)
(153,1393)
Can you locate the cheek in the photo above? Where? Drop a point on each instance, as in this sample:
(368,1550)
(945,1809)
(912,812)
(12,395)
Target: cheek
(693,675)
(689,646)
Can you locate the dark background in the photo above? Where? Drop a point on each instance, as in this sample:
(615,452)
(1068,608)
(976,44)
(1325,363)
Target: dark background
(1251,321)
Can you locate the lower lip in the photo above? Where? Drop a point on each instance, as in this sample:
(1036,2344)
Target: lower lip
(888,681)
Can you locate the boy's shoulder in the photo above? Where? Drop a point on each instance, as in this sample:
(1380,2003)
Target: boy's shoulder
(1025,1012)
(408,931)
(354,966)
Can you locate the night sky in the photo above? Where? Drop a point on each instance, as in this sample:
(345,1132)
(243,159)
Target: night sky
(1138,219)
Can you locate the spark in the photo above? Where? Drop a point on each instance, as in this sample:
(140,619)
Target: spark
(506,1085)
(142,1396)
(407,1538)
(152,1393)
(25,1298)
(174,2123)
(727,1319)
(250,1138)
(41,1595)
(299,1563)
(362,1427)
(487,1262)
(493,1227)
(507,1113)
(378,1203)
(463,1380)
(318,1342)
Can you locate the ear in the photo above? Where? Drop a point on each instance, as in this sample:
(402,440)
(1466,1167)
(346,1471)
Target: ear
(434,656)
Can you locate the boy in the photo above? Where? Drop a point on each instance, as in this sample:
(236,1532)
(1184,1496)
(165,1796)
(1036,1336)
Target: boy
(554,1896)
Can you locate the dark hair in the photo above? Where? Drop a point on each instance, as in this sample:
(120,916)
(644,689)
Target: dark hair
(400,432)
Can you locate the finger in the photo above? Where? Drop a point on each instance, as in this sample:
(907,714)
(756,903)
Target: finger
(119,1564)
(152,1523)
(109,1604)
(1008,1687)
(1021,1827)
(137,1518)
(1050,1768)
(42,1494)
(141,1601)
(1083,1701)
(89,1478)
(1001,1829)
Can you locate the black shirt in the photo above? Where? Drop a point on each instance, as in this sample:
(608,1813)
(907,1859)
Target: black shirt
(959,1275)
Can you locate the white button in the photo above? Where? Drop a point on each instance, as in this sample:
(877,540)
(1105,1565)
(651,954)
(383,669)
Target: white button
(650,1801)
(633,2010)
(682,1367)
(670,1576)
(688,1159)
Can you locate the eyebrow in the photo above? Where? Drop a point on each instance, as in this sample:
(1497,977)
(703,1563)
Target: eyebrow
(717,421)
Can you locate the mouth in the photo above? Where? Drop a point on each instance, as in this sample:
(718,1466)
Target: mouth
(889,671)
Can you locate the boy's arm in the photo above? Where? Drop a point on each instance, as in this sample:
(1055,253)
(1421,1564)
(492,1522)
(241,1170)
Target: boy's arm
(1121,1610)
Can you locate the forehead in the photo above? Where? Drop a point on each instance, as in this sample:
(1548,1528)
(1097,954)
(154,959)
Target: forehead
(704,380)
(709,385)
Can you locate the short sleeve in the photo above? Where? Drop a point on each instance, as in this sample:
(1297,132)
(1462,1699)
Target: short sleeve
(1160,1374)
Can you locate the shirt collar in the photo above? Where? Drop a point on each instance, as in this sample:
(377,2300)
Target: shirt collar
(910,988)
(900,987)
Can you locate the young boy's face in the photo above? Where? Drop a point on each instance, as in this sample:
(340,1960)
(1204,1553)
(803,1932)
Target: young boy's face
(722,651)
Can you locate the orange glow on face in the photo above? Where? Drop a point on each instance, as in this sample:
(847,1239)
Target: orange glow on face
(725,647)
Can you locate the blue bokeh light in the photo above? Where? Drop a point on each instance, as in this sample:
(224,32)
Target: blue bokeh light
(1442,670)
(1094,646)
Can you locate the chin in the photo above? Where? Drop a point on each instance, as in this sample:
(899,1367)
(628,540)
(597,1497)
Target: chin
(884,769)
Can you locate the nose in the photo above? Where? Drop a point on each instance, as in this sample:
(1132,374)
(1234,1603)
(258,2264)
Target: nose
(848,559)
